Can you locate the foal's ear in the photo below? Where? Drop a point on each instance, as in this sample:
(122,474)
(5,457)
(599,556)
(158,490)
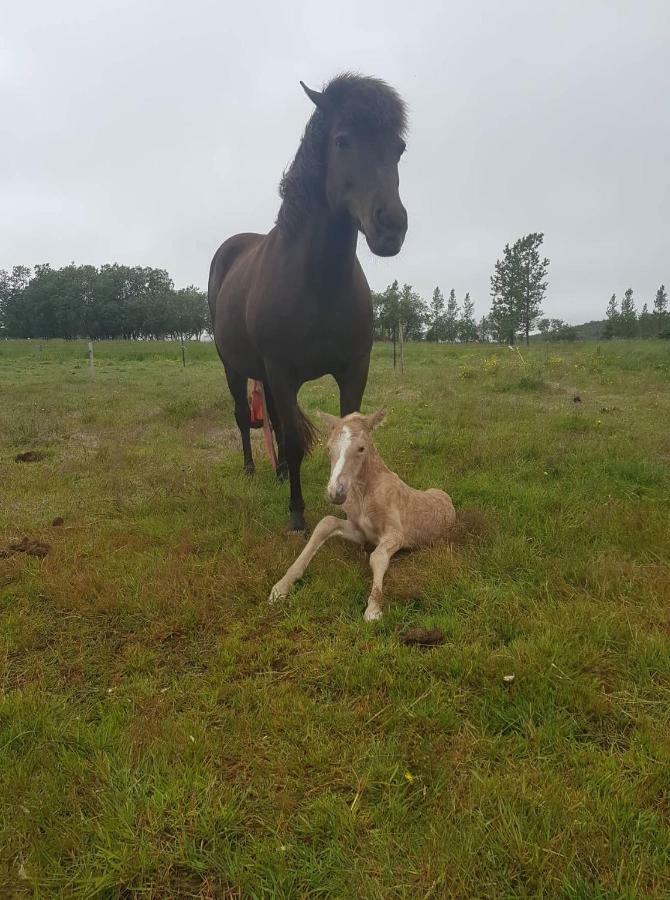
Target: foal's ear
(329,421)
(375,419)
(318,99)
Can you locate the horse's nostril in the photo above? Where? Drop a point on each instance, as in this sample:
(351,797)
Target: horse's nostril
(379,217)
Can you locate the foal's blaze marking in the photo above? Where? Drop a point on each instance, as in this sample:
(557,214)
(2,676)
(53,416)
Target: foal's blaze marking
(343,444)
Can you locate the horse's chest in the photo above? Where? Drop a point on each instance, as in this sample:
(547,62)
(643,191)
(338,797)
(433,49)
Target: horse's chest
(316,334)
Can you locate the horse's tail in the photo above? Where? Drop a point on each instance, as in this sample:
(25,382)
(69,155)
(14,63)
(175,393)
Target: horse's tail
(307,430)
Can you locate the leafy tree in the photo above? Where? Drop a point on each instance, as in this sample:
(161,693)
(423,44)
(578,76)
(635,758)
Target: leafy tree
(387,311)
(484,330)
(467,328)
(646,323)
(518,286)
(436,317)
(451,318)
(661,309)
(628,327)
(612,316)
(413,314)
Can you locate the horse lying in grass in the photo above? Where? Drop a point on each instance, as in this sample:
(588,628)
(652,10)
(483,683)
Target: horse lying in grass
(381,509)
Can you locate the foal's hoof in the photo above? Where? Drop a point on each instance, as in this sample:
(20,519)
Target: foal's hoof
(277,594)
(282,472)
(372,614)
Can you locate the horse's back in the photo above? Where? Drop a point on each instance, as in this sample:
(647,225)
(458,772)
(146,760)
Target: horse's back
(230,252)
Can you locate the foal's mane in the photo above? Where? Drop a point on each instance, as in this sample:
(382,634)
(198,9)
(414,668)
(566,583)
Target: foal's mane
(365,103)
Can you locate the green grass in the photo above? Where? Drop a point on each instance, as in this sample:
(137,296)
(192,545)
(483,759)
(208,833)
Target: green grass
(164,732)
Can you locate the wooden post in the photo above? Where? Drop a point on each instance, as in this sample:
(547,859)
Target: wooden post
(394,333)
(183,352)
(90,355)
(402,356)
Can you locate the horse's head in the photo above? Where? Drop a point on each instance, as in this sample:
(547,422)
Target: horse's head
(350,445)
(365,122)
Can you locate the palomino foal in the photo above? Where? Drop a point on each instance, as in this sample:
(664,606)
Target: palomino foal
(381,509)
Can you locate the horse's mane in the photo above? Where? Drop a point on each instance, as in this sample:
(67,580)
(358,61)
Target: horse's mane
(365,103)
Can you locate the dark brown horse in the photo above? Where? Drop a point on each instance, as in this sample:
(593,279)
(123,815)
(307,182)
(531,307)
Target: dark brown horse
(293,305)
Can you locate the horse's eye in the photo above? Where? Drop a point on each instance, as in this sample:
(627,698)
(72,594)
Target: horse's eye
(361,449)
(341,142)
(401,148)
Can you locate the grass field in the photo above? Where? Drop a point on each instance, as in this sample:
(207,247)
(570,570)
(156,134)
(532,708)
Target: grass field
(164,732)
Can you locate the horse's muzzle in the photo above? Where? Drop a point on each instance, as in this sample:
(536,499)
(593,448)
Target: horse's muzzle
(386,243)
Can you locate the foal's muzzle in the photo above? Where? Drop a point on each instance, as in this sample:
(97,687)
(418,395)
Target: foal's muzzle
(337,494)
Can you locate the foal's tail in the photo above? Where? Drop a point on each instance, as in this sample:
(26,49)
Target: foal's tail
(307,431)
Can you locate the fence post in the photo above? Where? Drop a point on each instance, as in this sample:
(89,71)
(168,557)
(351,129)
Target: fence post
(90,355)
(183,352)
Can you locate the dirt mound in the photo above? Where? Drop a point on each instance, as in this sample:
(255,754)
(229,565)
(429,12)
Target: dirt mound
(25,545)
(422,637)
(29,456)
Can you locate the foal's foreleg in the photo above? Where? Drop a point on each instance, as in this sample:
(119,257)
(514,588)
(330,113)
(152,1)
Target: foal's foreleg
(379,563)
(328,527)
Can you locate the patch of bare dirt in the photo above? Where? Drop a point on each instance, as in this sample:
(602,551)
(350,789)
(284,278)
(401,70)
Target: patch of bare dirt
(25,545)
(471,526)
(58,521)
(29,456)
(422,637)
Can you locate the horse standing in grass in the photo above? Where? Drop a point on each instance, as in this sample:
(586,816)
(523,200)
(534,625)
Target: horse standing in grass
(381,509)
(293,305)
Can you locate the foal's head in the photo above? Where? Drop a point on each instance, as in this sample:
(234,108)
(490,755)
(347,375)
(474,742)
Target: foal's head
(353,144)
(349,445)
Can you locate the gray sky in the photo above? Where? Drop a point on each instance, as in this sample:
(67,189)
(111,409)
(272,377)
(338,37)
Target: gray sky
(147,132)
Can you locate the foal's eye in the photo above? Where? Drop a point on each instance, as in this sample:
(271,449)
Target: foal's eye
(361,449)
(341,142)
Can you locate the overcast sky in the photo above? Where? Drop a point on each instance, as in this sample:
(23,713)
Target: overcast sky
(148,132)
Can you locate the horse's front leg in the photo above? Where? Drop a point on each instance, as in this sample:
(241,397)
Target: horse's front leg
(294,439)
(328,527)
(351,382)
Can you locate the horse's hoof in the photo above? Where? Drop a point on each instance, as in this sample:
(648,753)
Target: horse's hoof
(282,472)
(372,614)
(297,524)
(249,470)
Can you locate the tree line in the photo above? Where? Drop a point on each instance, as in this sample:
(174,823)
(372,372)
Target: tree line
(113,301)
(136,302)
(622,320)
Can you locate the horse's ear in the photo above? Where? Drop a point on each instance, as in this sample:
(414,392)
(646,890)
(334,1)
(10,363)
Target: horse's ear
(329,421)
(318,99)
(375,419)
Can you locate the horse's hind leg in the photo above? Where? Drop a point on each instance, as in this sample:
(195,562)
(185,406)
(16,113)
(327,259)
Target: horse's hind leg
(282,465)
(238,388)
